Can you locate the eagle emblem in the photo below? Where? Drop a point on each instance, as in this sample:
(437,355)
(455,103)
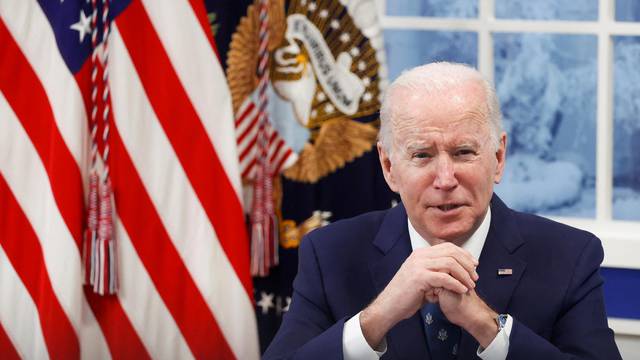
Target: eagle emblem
(328,71)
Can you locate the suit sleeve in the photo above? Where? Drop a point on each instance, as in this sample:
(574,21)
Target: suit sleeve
(581,330)
(308,329)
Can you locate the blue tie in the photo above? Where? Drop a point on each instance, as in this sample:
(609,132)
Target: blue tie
(442,336)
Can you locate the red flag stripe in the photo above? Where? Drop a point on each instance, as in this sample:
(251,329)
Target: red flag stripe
(201,86)
(245,109)
(19,316)
(7,349)
(188,137)
(274,151)
(24,251)
(251,129)
(248,171)
(123,341)
(192,233)
(137,291)
(250,150)
(36,117)
(168,272)
(285,156)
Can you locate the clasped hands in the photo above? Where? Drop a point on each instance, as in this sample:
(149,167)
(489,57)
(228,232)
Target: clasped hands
(443,273)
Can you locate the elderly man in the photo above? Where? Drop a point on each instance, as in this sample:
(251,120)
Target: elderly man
(451,272)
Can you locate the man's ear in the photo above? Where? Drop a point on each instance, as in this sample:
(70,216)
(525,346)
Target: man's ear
(501,157)
(387,168)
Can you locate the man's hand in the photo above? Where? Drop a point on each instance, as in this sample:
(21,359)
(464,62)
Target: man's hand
(471,313)
(443,266)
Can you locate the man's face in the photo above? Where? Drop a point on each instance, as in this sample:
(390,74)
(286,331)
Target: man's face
(443,162)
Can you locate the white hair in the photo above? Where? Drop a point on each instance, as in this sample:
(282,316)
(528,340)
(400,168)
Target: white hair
(430,79)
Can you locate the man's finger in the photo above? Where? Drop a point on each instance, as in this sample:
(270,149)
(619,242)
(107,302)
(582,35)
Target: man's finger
(451,266)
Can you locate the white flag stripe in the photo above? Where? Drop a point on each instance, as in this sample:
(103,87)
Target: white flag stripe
(154,324)
(19,315)
(197,67)
(26,176)
(39,47)
(180,210)
(248,118)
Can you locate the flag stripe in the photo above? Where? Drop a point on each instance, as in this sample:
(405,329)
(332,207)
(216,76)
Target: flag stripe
(19,315)
(191,232)
(185,289)
(250,150)
(200,74)
(246,108)
(188,137)
(24,19)
(155,325)
(168,272)
(21,246)
(249,129)
(6,347)
(121,337)
(29,182)
(35,115)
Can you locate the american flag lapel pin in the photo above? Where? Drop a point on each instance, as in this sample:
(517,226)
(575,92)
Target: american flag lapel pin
(505,272)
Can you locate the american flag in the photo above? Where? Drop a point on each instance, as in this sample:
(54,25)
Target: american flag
(182,251)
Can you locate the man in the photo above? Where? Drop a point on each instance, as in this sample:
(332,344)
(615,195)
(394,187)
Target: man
(451,272)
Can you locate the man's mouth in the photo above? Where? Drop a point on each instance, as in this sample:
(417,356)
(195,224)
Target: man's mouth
(448,207)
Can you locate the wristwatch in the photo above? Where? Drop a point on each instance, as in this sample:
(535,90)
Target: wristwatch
(501,321)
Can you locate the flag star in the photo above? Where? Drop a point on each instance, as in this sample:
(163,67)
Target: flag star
(313,6)
(366,81)
(354,51)
(83,26)
(362,65)
(288,301)
(335,24)
(345,37)
(324,13)
(367,96)
(321,96)
(266,302)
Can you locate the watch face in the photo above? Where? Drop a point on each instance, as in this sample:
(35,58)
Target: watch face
(501,320)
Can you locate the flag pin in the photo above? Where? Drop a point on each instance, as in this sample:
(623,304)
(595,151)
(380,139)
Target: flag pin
(505,272)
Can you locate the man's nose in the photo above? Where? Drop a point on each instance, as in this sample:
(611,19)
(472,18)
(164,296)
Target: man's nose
(445,178)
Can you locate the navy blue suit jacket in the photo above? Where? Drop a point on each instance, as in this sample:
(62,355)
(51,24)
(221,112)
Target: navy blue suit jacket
(554,295)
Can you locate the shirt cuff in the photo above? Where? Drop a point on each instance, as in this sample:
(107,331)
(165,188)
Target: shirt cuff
(355,346)
(499,347)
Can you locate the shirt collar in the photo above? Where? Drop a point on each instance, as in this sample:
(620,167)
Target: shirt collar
(473,245)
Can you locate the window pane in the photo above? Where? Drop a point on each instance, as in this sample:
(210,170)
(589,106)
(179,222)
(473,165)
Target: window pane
(547,9)
(435,8)
(547,88)
(409,48)
(627,10)
(626,133)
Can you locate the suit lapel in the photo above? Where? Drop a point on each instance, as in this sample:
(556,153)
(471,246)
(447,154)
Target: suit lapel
(406,340)
(498,252)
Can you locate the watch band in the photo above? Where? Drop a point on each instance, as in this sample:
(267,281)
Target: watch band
(501,321)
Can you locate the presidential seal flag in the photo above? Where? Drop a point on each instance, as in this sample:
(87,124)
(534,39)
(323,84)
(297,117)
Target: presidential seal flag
(122,232)
(326,76)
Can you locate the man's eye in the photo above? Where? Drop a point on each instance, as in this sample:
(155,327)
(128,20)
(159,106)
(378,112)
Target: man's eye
(465,152)
(421,155)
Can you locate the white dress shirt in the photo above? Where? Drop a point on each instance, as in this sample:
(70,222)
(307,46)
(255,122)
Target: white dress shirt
(354,345)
